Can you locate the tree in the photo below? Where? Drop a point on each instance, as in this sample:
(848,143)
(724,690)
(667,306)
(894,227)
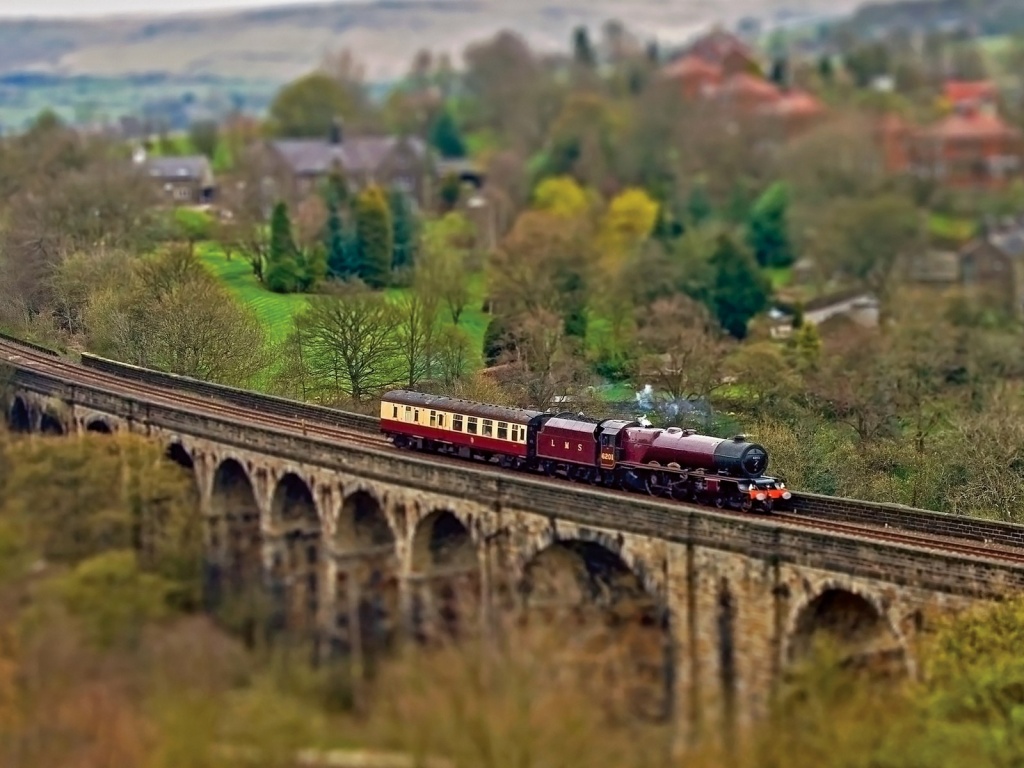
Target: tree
(502,83)
(739,290)
(342,248)
(79,499)
(779,73)
(544,363)
(171,314)
(310,105)
(62,194)
(450,192)
(767,377)
(826,70)
(453,356)
(204,135)
(628,222)
(865,240)
(767,233)
(839,158)
(282,269)
(853,386)
(445,136)
(681,352)
(376,238)
(583,139)
(698,205)
(561,196)
(403,222)
(417,335)
(542,257)
(442,271)
(248,202)
(583,50)
(349,337)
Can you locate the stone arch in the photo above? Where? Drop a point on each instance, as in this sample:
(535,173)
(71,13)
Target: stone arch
(446,568)
(367,588)
(362,525)
(854,623)
(650,577)
(296,567)
(19,419)
(442,541)
(50,424)
(98,426)
(600,611)
(234,534)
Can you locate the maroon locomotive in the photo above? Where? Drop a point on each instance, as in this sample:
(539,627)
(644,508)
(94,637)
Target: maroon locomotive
(672,462)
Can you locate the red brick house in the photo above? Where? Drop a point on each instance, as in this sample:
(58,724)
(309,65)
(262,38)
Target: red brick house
(725,51)
(967,150)
(695,75)
(893,137)
(979,95)
(794,112)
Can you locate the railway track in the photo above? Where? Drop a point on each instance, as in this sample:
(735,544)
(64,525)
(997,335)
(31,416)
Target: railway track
(927,541)
(43,362)
(80,375)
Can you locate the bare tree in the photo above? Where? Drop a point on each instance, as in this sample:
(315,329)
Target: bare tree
(349,340)
(544,365)
(853,385)
(682,354)
(442,271)
(173,315)
(248,197)
(417,335)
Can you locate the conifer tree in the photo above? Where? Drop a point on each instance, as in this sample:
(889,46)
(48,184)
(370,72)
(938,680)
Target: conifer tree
(739,290)
(404,229)
(767,232)
(342,252)
(698,206)
(282,245)
(282,269)
(445,136)
(376,239)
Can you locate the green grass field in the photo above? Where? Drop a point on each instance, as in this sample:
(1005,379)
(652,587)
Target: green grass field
(276,310)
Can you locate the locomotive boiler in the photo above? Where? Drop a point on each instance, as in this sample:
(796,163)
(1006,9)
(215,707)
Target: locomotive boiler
(676,447)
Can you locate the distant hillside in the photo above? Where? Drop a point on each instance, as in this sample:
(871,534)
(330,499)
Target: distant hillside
(281,43)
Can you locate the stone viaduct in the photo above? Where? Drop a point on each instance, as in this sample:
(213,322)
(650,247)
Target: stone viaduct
(360,545)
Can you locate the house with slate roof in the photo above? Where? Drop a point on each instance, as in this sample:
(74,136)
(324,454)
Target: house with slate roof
(992,267)
(405,163)
(181,180)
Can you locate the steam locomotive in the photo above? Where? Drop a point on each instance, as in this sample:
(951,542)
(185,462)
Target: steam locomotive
(671,463)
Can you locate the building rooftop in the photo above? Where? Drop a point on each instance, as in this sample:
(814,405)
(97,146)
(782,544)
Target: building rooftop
(359,153)
(690,65)
(192,167)
(970,126)
(959,91)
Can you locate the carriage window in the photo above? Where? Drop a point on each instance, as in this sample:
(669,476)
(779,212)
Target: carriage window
(488,428)
(471,425)
(440,420)
(416,418)
(408,413)
(457,422)
(394,412)
(502,430)
(515,433)
(433,418)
